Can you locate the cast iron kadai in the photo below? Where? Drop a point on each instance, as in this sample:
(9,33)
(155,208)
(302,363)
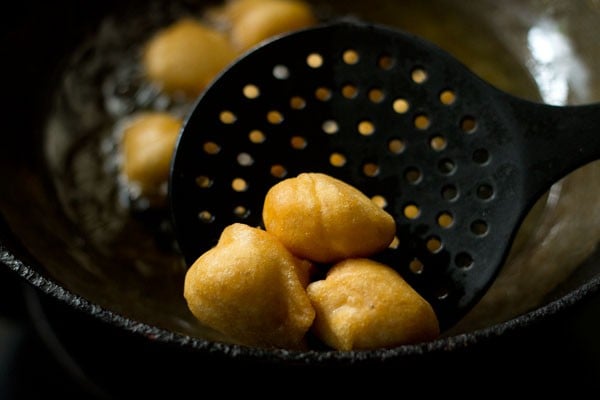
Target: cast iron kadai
(457,162)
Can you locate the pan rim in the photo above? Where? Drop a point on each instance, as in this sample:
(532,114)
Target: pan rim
(444,344)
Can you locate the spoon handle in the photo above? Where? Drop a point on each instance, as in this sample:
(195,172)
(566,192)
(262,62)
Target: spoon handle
(557,139)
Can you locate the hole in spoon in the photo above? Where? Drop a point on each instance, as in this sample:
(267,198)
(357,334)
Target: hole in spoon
(479,227)
(468,124)
(434,244)
(371,169)
(401,106)
(351,57)
(251,91)
(386,62)
(447,97)
(463,260)
(481,156)
(416,266)
(281,72)
(450,192)
(419,75)
(445,219)
(245,159)
(211,148)
(241,212)
(366,128)
(206,216)
(376,95)
(330,127)
(442,294)
(323,93)
(446,166)
(298,142)
(485,191)
(422,122)
(438,143)
(239,185)
(337,159)
(396,146)
(413,175)
(275,117)
(256,136)
(349,91)
(412,211)
(227,117)
(278,171)
(381,201)
(314,60)
(297,103)
(204,181)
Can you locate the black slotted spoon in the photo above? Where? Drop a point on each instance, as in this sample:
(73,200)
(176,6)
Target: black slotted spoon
(457,162)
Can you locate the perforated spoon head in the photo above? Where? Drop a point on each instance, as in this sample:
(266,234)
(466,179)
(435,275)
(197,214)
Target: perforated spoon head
(455,161)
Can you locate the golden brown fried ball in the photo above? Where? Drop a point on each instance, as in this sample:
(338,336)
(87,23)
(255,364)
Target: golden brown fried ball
(147,146)
(250,288)
(363,304)
(252,21)
(324,219)
(186,56)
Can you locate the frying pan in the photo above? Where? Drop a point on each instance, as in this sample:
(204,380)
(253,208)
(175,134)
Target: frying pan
(127,309)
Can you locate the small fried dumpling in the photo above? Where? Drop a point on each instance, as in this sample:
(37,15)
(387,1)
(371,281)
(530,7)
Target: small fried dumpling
(324,219)
(363,304)
(253,21)
(147,146)
(186,56)
(250,288)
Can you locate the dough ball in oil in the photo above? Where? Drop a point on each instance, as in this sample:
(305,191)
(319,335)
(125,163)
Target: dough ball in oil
(253,21)
(186,56)
(324,219)
(250,288)
(362,304)
(147,147)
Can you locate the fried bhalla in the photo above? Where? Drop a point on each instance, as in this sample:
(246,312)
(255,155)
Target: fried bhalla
(186,56)
(362,304)
(250,288)
(323,219)
(147,144)
(262,19)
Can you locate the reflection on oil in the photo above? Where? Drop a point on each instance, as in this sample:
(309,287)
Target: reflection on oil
(555,41)
(554,64)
